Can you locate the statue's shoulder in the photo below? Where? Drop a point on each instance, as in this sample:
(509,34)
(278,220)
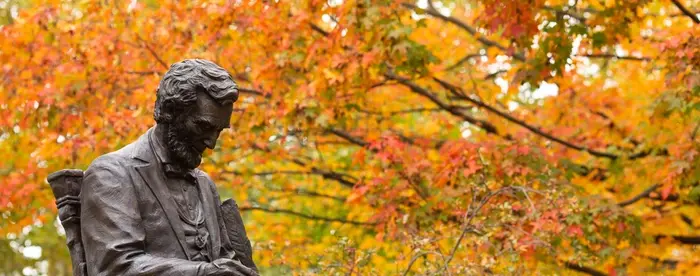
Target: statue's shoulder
(110,171)
(202,174)
(209,182)
(118,160)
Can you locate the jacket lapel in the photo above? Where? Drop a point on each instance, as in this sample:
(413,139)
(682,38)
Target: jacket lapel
(208,204)
(154,178)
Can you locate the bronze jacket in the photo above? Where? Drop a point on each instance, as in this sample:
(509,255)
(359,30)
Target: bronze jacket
(130,224)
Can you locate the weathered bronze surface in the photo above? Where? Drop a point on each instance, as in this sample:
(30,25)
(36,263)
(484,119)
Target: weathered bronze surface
(146,209)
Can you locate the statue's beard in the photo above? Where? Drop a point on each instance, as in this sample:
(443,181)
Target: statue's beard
(181,149)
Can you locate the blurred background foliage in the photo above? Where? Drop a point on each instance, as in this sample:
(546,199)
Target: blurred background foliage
(382,137)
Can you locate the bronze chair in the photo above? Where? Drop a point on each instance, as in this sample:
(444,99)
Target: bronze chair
(65,185)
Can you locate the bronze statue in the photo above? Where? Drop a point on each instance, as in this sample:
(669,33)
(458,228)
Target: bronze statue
(146,209)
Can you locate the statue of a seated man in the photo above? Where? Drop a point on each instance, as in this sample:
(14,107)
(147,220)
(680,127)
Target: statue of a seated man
(146,209)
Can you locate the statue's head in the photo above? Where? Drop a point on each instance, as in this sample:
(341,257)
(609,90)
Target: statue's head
(194,103)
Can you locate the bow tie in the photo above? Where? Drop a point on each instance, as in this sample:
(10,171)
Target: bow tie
(174,171)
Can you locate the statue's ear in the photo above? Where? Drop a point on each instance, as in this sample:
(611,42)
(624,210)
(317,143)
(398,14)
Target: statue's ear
(163,109)
(167,111)
(171,109)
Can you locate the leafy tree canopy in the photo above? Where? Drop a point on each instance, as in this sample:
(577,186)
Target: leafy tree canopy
(384,137)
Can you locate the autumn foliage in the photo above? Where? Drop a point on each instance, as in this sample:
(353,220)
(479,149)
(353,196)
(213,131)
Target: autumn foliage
(384,137)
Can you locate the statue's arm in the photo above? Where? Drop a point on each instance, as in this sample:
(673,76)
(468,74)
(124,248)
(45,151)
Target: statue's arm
(112,234)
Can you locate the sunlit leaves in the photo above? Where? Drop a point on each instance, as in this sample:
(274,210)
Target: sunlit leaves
(343,170)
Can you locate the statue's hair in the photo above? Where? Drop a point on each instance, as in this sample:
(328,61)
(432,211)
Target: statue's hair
(178,89)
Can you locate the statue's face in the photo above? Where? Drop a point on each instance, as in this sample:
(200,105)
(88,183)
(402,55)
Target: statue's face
(193,132)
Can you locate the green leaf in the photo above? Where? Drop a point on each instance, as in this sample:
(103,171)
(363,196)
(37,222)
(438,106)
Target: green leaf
(578,29)
(599,39)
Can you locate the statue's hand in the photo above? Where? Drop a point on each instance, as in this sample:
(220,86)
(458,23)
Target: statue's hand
(228,267)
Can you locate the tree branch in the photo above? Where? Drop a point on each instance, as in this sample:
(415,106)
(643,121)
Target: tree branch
(612,125)
(141,72)
(267,173)
(415,258)
(318,29)
(471,30)
(614,56)
(647,152)
(348,137)
(436,143)
(584,269)
(339,177)
(323,143)
(670,263)
(253,92)
(470,216)
(578,17)
(641,195)
(153,53)
(463,60)
(304,192)
(686,11)
(486,126)
(533,129)
(306,216)
(314,171)
(494,74)
(691,240)
(669,198)
(335,176)
(410,110)
(681,13)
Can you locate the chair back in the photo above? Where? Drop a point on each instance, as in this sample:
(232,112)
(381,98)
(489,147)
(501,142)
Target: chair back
(65,185)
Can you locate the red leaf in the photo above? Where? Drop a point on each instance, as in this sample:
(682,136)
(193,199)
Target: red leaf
(575,230)
(666,191)
(523,150)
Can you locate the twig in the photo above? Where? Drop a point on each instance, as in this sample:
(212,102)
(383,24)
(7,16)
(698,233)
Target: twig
(421,254)
(339,177)
(641,195)
(678,14)
(298,191)
(584,269)
(463,60)
(693,240)
(467,225)
(410,110)
(471,30)
(524,190)
(314,171)
(362,143)
(486,126)
(347,136)
(153,53)
(141,72)
(494,74)
(253,92)
(304,192)
(318,29)
(695,131)
(267,172)
(614,56)
(686,11)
